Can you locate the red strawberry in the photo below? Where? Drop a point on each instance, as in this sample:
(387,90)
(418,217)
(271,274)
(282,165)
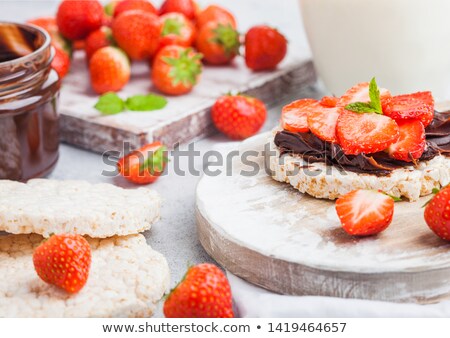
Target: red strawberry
(176,70)
(176,30)
(365,212)
(77,18)
(204,292)
(238,116)
(365,133)
(322,122)
(411,106)
(145,165)
(64,261)
(100,38)
(360,93)
(219,43)
(137,33)
(437,214)
(329,101)
(214,13)
(49,24)
(265,48)
(61,63)
(294,115)
(185,7)
(128,5)
(411,142)
(110,70)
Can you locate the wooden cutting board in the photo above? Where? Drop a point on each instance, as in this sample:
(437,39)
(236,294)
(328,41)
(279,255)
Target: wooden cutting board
(273,236)
(187,117)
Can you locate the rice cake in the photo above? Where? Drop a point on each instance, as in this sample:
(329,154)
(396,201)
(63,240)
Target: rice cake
(102,210)
(127,279)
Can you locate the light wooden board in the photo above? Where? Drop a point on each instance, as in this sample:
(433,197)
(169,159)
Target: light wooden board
(275,237)
(187,117)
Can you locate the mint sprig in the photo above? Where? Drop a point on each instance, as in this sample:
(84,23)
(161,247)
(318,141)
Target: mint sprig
(374,106)
(111,104)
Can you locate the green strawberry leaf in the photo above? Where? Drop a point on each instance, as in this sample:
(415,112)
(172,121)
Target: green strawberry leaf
(172,26)
(110,104)
(227,37)
(155,162)
(145,102)
(185,68)
(374,106)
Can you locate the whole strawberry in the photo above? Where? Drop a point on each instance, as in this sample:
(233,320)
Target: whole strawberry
(110,70)
(64,261)
(176,70)
(204,292)
(219,43)
(100,38)
(437,214)
(214,13)
(265,48)
(185,7)
(137,33)
(238,116)
(128,5)
(77,18)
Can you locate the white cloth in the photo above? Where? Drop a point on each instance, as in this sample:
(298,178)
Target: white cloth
(254,302)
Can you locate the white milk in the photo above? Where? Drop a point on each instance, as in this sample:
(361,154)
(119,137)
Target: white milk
(405,44)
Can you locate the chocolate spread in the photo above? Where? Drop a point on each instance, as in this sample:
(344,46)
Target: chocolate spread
(29,89)
(312,149)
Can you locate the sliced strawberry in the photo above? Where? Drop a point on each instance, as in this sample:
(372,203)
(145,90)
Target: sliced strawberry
(411,142)
(322,122)
(365,133)
(360,93)
(294,115)
(411,106)
(365,212)
(329,101)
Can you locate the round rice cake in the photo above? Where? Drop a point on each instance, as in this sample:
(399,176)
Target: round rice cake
(45,207)
(127,279)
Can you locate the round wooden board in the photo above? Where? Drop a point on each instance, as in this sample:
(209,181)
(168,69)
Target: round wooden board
(273,236)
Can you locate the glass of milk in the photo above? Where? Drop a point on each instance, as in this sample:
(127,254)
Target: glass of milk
(405,44)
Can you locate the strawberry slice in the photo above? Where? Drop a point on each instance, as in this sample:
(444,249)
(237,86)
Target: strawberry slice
(294,115)
(365,212)
(329,101)
(322,122)
(411,142)
(360,93)
(411,106)
(365,133)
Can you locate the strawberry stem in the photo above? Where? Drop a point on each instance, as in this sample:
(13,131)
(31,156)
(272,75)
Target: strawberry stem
(185,68)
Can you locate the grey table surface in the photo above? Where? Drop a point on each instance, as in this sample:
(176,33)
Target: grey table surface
(175,234)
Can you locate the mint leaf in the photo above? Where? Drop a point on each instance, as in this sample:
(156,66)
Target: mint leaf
(374,106)
(374,94)
(361,107)
(110,104)
(146,102)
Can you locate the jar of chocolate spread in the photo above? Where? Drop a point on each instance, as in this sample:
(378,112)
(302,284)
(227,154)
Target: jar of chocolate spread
(29,91)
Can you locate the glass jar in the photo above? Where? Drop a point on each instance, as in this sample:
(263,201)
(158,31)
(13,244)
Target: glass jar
(29,92)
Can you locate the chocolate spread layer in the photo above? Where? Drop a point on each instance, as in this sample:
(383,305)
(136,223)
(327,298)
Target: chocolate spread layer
(312,149)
